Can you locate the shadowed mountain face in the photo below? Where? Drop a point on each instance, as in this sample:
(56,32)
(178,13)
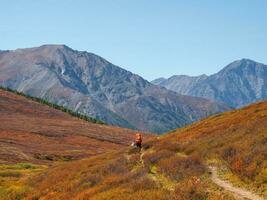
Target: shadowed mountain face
(89,84)
(238,84)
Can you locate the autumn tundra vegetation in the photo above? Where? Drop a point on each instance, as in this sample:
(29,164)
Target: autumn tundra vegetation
(172,166)
(55,106)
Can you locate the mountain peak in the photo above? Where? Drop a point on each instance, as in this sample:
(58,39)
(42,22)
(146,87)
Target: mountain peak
(188,76)
(56,46)
(247,60)
(158,81)
(46,47)
(240,64)
(53,47)
(239,83)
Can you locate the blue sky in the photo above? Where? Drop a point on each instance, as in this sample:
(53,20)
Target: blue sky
(152,38)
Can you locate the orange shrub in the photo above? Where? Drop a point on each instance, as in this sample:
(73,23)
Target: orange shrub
(143,183)
(168,145)
(190,191)
(155,157)
(116,166)
(237,165)
(251,170)
(178,168)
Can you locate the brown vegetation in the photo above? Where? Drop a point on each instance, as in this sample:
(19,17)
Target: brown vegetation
(174,166)
(238,139)
(32,132)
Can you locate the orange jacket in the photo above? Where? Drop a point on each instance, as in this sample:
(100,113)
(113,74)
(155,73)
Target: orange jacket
(138,138)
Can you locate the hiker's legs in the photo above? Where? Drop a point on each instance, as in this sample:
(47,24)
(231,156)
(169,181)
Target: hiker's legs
(138,145)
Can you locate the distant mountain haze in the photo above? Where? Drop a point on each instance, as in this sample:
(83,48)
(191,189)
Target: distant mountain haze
(240,83)
(89,84)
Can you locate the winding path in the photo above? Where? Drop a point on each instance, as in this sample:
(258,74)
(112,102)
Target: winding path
(237,192)
(229,187)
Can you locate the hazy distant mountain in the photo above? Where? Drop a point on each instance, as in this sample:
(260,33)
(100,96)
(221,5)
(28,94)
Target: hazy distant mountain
(240,83)
(180,83)
(158,81)
(89,84)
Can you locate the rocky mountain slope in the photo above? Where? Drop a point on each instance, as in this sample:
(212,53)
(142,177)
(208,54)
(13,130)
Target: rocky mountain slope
(87,83)
(238,84)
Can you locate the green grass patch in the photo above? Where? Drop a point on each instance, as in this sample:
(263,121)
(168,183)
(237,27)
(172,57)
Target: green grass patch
(19,166)
(10,173)
(13,179)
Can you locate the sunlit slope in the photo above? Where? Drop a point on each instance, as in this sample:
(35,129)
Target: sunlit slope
(174,166)
(32,132)
(237,136)
(237,140)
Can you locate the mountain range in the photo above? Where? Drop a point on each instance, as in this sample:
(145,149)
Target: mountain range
(240,83)
(87,83)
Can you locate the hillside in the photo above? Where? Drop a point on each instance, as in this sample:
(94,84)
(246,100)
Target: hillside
(87,83)
(36,133)
(240,83)
(173,166)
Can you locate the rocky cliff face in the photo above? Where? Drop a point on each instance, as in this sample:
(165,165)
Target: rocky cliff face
(91,85)
(240,83)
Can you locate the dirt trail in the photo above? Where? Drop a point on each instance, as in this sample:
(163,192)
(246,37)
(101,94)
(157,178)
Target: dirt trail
(238,192)
(163,181)
(141,157)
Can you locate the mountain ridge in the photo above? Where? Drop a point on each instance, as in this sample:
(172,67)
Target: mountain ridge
(238,84)
(89,84)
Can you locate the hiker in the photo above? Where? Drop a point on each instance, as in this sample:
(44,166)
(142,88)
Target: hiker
(138,140)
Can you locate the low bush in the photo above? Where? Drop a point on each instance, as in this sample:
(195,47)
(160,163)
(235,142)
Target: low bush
(168,145)
(228,153)
(154,157)
(190,190)
(143,183)
(177,168)
(117,166)
(10,174)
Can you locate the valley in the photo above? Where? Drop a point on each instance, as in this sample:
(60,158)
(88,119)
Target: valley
(133,100)
(172,166)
